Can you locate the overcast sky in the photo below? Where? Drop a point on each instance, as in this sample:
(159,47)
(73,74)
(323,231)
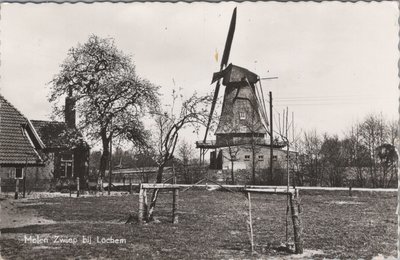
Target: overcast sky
(336,62)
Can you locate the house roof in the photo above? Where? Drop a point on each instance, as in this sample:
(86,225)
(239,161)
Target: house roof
(57,135)
(51,133)
(19,142)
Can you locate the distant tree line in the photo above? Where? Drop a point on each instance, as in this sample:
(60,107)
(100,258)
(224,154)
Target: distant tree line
(365,157)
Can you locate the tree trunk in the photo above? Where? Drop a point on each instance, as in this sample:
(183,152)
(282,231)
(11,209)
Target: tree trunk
(150,208)
(104,157)
(297,225)
(232,175)
(103,160)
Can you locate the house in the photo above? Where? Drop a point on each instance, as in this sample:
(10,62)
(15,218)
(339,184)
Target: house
(61,153)
(20,145)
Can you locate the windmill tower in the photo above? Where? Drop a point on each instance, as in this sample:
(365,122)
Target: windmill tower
(240,121)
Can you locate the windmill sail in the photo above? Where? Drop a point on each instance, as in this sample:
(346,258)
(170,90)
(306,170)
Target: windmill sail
(224,62)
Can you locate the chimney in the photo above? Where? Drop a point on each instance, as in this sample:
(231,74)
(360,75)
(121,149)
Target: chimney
(69,113)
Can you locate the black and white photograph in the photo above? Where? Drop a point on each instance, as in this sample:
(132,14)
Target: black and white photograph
(229,130)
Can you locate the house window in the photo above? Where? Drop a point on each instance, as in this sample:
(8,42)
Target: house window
(66,165)
(261,157)
(247,157)
(18,173)
(242,115)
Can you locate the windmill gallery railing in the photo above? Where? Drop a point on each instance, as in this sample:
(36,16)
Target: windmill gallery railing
(211,144)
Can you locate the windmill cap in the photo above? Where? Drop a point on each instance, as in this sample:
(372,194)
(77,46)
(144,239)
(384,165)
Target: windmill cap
(235,74)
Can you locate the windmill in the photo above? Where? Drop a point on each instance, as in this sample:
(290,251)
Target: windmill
(243,115)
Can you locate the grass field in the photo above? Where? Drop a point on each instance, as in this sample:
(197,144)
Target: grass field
(212,225)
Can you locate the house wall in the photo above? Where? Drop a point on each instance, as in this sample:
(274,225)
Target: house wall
(32,173)
(37,178)
(43,177)
(244,163)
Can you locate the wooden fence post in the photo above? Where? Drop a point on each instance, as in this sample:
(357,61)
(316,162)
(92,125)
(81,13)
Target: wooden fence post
(350,193)
(250,223)
(16,188)
(0,185)
(297,227)
(140,210)
(77,186)
(24,184)
(130,185)
(175,204)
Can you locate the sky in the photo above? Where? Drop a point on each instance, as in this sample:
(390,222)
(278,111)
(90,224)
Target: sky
(335,62)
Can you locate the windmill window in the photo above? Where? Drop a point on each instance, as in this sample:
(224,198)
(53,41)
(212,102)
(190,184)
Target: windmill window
(261,157)
(242,115)
(275,157)
(18,173)
(247,157)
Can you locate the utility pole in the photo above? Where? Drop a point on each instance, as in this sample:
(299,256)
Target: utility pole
(271,151)
(295,150)
(287,150)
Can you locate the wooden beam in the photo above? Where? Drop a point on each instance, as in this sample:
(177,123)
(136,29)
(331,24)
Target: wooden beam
(160,186)
(250,223)
(175,204)
(141,206)
(297,226)
(272,191)
(77,186)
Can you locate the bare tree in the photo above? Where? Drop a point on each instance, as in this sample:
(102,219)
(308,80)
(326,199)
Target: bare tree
(254,138)
(310,162)
(193,113)
(233,151)
(373,134)
(333,157)
(357,154)
(393,132)
(185,152)
(110,98)
(388,164)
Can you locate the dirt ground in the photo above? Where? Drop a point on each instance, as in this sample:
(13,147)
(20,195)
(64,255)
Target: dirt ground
(212,225)
(14,215)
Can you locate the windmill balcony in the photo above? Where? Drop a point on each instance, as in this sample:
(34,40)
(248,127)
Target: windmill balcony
(211,144)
